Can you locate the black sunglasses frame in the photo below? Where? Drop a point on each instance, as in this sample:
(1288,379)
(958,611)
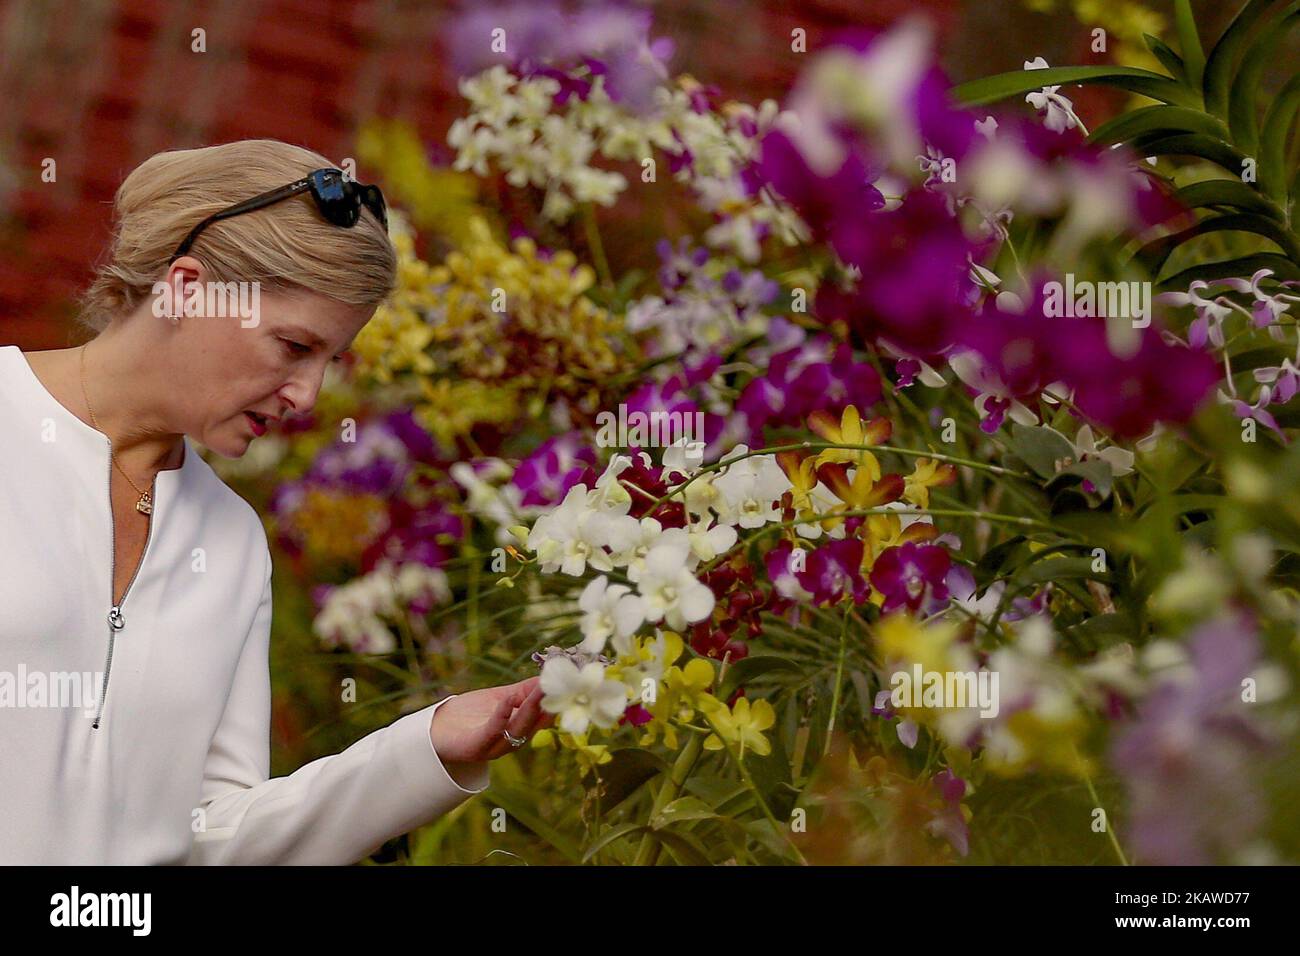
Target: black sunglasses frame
(338,198)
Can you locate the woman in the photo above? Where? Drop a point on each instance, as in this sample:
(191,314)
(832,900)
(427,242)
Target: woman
(136,586)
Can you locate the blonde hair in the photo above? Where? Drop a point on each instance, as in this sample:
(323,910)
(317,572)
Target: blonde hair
(287,246)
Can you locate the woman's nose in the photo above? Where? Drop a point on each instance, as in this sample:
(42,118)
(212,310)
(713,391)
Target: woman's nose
(302,391)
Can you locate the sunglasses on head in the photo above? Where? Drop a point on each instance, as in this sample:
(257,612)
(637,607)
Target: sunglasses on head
(338,198)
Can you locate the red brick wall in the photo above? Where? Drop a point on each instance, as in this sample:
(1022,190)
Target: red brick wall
(99,85)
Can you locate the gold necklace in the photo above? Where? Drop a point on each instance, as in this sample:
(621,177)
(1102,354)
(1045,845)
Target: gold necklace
(145,503)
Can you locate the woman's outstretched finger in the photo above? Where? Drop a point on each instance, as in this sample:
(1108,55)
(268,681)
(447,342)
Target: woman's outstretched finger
(524,721)
(501,715)
(519,692)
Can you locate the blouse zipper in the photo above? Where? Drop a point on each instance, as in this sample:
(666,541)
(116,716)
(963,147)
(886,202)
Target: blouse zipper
(115,619)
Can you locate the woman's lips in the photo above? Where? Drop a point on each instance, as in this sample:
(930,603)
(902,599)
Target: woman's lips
(258,428)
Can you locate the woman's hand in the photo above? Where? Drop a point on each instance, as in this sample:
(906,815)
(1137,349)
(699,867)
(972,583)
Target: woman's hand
(469,728)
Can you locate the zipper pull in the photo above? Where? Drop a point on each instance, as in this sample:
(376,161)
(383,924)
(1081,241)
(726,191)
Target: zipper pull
(115,618)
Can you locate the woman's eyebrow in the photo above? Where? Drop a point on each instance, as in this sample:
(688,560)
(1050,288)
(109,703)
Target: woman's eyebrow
(315,340)
(305,333)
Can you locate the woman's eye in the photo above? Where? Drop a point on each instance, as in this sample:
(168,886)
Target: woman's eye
(296,348)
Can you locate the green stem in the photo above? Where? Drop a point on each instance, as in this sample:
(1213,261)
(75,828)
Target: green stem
(472,635)
(647,853)
(1110,830)
(408,643)
(865,512)
(594,243)
(758,796)
(819,445)
(839,680)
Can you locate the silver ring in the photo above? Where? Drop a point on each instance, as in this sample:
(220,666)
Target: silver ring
(515,741)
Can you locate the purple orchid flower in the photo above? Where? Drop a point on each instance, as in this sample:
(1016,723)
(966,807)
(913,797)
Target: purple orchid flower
(951,822)
(610,40)
(834,571)
(835,207)
(546,475)
(1188,758)
(784,580)
(911,573)
(1128,395)
(817,374)
(913,265)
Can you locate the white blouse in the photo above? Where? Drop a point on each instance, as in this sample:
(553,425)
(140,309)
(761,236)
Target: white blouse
(141,734)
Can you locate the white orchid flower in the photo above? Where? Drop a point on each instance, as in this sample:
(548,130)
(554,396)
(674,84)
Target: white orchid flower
(575,535)
(609,610)
(581,697)
(707,543)
(671,592)
(749,488)
(1119,459)
(1058,109)
(683,457)
(973,371)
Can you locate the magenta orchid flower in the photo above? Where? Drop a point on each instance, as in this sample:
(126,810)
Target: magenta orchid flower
(910,573)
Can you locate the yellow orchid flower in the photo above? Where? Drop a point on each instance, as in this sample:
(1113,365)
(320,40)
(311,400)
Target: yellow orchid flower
(802,472)
(1042,741)
(333,524)
(902,637)
(591,756)
(850,430)
(743,725)
(685,690)
(509,330)
(927,474)
(860,493)
(883,531)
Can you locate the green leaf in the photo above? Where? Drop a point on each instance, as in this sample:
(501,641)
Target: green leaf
(1103,631)
(687,850)
(1160,120)
(1222,61)
(1167,57)
(610,836)
(994,559)
(1277,125)
(771,775)
(761,830)
(1040,447)
(1228,192)
(1058,569)
(1095,470)
(717,792)
(1182,504)
(755,665)
(1244,266)
(682,809)
(627,771)
(990,89)
(1189,41)
(1242,114)
(863,689)
(1153,254)
(520,805)
(1194,144)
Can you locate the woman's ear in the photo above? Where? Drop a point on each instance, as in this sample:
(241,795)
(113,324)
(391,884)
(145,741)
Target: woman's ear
(181,277)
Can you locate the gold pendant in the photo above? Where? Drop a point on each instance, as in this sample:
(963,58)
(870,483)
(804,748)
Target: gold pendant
(144,505)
